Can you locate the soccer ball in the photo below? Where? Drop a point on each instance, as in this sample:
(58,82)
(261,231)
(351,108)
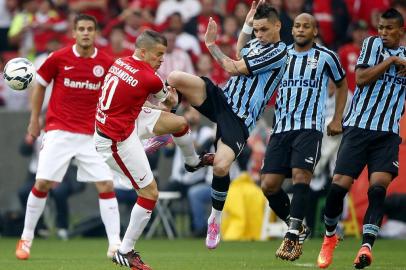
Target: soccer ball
(19,73)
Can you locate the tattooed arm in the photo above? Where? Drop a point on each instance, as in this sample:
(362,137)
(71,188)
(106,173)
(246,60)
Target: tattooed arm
(231,66)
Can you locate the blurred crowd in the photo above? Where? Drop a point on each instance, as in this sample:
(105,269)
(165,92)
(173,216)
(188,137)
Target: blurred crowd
(34,28)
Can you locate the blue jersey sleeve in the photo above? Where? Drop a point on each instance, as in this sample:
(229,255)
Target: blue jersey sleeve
(266,60)
(370,52)
(334,68)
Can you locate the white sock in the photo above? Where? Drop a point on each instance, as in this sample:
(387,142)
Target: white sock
(186,145)
(330,233)
(138,220)
(111,219)
(367,245)
(35,208)
(216,215)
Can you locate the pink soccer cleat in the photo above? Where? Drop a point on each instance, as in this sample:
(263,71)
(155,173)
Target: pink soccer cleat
(213,235)
(155,143)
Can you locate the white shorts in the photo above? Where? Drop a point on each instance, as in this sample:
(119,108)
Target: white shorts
(127,158)
(145,123)
(57,150)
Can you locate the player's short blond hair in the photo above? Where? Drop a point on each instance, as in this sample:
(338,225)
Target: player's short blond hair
(149,39)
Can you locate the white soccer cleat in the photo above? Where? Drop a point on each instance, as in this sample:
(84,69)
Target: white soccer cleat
(112,250)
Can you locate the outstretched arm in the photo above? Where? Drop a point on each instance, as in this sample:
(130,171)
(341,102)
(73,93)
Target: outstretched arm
(231,66)
(246,32)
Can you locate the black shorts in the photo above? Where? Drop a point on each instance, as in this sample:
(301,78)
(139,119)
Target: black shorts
(359,147)
(230,128)
(292,149)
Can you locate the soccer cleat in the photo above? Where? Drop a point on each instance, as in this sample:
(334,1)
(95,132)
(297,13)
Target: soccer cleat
(213,235)
(112,250)
(155,143)
(23,249)
(304,234)
(206,159)
(131,259)
(325,257)
(290,249)
(363,259)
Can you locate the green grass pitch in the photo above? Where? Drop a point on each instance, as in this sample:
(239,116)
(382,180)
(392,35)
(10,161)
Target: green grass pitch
(191,254)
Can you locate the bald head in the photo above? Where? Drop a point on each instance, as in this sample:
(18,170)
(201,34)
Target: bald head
(304,31)
(306,17)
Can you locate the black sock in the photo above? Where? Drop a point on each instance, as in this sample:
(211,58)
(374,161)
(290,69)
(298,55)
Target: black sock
(219,189)
(299,200)
(374,214)
(279,202)
(334,206)
(298,207)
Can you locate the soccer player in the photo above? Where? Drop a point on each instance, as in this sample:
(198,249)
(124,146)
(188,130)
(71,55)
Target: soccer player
(77,73)
(237,106)
(121,122)
(370,136)
(294,147)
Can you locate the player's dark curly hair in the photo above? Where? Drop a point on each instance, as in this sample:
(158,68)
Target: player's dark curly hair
(393,14)
(266,11)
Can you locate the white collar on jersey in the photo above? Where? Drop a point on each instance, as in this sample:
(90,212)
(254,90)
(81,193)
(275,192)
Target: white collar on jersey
(76,53)
(136,58)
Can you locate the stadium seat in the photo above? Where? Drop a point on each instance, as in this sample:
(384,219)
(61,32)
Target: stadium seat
(163,214)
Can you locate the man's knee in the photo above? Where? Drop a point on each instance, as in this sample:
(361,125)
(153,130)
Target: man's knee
(42,185)
(174,77)
(149,192)
(104,186)
(221,167)
(269,184)
(181,125)
(343,181)
(301,176)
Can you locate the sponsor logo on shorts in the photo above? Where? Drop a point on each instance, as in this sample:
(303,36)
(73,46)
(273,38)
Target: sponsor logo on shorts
(309,160)
(396,164)
(146,110)
(142,179)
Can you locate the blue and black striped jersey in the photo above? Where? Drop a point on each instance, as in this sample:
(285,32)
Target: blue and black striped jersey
(379,105)
(248,95)
(303,91)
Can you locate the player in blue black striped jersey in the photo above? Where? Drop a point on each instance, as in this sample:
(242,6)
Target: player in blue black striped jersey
(294,146)
(238,105)
(370,134)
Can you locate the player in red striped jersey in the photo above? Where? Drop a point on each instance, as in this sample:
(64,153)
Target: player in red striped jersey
(121,123)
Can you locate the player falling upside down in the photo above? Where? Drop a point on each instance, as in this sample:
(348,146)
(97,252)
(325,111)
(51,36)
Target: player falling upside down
(370,136)
(77,73)
(121,122)
(240,103)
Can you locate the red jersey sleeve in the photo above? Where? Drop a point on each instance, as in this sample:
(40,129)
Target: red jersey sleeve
(155,84)
(48,70)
